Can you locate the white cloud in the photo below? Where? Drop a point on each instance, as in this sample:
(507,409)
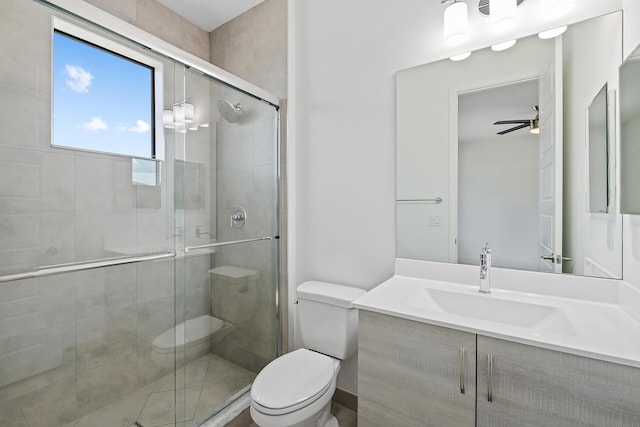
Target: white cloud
(95,124)
(140,127)
(79,79)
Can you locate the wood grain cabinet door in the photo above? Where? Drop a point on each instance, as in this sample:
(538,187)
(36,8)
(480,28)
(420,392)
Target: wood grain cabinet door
(414,374)
(531,386)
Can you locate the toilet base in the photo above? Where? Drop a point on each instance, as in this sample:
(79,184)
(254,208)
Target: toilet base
(321,419)
(330,421)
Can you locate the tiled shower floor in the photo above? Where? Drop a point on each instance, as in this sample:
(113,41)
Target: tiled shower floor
(209,381)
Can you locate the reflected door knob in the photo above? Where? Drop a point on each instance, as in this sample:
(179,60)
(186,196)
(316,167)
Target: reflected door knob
(555,258)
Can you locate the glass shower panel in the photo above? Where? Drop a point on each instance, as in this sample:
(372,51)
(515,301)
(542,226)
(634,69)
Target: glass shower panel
(80,348)
(156,342)
(227,194)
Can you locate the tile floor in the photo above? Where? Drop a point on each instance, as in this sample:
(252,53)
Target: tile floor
(346,417)
(208,382)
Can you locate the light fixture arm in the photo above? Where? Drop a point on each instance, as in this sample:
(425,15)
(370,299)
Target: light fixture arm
(484,8)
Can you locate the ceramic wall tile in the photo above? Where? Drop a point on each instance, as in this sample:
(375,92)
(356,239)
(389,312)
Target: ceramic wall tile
(155,280)
(107,383)
(54,404)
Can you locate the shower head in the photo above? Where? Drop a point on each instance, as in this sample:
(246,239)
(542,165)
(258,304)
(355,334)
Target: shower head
(230,112)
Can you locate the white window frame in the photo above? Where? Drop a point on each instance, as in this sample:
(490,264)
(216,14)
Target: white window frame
(110,45)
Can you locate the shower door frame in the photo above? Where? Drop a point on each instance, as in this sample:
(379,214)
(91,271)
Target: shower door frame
(121,28)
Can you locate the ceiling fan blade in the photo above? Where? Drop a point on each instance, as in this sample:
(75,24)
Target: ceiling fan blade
(522,126)
(511,122)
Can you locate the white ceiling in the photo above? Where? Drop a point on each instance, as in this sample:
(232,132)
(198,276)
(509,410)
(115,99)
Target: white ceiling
(210,14)
(477,111)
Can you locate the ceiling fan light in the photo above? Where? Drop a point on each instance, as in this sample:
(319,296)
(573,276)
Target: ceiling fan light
(503,46)
(460,57)
(503,15)
(555,32)
(456,24)
(534,128)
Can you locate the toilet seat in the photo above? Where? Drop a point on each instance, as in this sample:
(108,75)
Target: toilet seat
(293,381)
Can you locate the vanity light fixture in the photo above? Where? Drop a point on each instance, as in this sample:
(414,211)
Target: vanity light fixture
(503,15)
(503,46)
(557,8)
(555,32)
(460,57)
(456,22)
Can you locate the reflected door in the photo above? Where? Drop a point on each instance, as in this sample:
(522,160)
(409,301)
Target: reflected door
(550,128)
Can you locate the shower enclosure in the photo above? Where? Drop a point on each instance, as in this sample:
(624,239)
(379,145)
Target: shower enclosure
(133,289)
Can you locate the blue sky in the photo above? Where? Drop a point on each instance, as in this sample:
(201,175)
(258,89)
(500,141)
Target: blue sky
(101,101)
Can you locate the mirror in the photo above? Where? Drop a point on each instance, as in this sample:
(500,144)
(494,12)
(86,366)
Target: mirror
(630,133)
(598,152)
(494,149)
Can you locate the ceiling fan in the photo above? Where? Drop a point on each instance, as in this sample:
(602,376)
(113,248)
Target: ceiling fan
(532,124)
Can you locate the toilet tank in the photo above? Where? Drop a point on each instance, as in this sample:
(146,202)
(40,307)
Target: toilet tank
(328,321)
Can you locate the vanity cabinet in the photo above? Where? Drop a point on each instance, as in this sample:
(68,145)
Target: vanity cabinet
(532,386)
(409,374)
(412,374)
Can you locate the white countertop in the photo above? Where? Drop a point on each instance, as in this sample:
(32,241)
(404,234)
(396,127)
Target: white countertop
(600,330)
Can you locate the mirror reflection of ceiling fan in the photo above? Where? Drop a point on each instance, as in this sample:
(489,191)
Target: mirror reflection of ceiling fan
(532,124)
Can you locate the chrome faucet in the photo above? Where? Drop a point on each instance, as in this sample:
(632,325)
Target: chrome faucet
(485,269)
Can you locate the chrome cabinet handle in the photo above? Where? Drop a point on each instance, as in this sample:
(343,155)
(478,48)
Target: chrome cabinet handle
(490,377)
(462,370)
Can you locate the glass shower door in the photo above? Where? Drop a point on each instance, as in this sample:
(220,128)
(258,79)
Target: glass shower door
(226,186)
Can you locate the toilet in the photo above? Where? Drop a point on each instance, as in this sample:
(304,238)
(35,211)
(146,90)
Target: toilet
(296,389)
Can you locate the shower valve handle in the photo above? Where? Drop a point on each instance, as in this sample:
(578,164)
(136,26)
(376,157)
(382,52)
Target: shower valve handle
(238,217)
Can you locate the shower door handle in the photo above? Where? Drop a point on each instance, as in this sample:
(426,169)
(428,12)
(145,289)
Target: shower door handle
(233,242)
(51,270)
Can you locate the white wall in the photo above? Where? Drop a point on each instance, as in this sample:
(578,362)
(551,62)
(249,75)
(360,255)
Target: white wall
(631,229)
(631,37)
(630,131)
(589,63)
(502,207)
(343,56)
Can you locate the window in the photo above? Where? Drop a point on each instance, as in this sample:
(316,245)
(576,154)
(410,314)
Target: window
(103,95)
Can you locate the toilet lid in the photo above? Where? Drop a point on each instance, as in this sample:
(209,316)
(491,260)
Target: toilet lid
(293,380)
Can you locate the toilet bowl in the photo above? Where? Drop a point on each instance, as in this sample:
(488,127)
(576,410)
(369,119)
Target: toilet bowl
(295,390)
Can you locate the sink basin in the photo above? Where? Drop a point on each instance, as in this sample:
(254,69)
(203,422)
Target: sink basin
(482,307)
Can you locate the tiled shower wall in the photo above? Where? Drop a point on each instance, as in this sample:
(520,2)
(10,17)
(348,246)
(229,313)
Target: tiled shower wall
(253,46)
(246,177)
(160,21)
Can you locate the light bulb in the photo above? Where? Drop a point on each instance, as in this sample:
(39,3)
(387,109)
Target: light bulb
(456,24)
(460,57)
(503,46)
(503,15)
(549,34)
